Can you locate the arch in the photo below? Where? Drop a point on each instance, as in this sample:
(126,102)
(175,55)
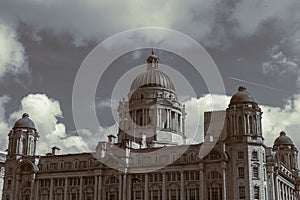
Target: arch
(223,155)
(35,168)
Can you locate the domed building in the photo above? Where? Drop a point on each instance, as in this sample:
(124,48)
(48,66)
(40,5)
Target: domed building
(150,159)
(152,116)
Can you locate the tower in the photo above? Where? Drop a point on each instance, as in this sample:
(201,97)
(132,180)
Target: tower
(244,145)
(286,151)
(22,138)
(152,116)
(20,165)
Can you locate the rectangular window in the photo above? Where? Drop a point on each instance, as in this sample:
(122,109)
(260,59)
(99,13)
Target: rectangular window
(240,155)
(255,172)
(256,192)
(254,155)
(242,192)
(241,171)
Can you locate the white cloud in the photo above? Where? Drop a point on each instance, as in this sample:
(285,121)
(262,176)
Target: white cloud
(4,128)
(12,55)
(286,119)
(195,109)
(274,119)
(44,112)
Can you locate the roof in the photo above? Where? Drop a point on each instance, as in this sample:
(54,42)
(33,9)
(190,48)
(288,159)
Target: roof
(283,140)
(24,122)
(242,96)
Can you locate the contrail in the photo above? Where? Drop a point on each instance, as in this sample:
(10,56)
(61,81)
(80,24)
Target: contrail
(271,88)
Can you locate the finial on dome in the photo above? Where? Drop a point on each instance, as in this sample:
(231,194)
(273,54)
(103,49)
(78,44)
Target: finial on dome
(282,133)
(152,61)
(25,115)
(242,88)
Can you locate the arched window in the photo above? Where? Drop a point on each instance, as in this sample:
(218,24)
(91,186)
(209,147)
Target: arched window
(214,155)
(214,186)
(45,194)
(191,156)
(76,164)
(48,165)
(61,164)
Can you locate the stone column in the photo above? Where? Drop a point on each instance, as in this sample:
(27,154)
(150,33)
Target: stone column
(80,189)
(182,185)
(32,187)
(277,189)
(201,181)
(168,118)
(124,186)
(160,119)
(37,190)
(146,188)
(143,117)
(130,188)
(120,186)
(100,191)
(66,188)
(15,195)
(164,190)
(224,180)
(96,187)
(51,188)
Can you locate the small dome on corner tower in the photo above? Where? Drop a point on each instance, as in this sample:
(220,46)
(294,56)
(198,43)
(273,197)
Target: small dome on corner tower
(242,96)
(24,122)
(283,140)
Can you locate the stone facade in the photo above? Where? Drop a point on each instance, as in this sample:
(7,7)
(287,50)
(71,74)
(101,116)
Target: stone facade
(151,161)
(2,170)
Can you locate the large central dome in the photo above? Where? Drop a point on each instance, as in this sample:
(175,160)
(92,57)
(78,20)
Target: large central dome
(153,77)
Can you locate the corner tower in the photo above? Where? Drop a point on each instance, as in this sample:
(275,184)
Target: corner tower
(22,138)
(245,147)
(152,116)
(21,161)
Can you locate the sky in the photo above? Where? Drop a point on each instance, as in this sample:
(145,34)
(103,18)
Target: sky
(255,43)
